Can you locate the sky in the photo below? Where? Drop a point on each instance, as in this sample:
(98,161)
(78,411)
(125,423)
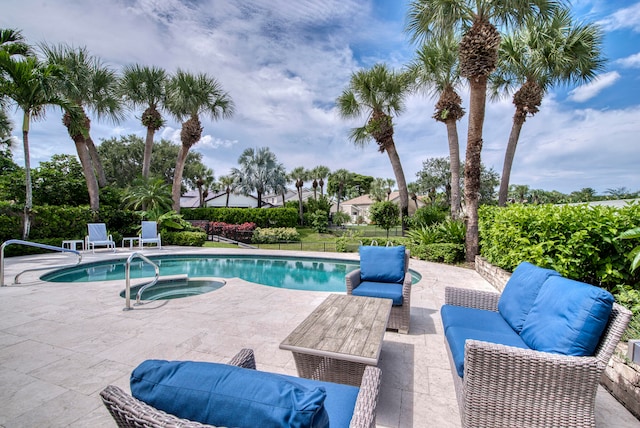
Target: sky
(285,62)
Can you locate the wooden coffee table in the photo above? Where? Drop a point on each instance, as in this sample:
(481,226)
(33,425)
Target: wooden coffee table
(340,338)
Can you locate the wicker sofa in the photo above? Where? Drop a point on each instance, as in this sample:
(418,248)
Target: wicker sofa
(503,382)
(130,412)
(400,316)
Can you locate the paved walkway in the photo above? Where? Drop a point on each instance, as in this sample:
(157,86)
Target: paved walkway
(61,344)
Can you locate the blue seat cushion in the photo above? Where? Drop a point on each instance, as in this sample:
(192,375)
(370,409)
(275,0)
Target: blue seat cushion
(457,336)
(462,323)
(224,395)
(383,290)
(382,264)
(521,291)
(568,317)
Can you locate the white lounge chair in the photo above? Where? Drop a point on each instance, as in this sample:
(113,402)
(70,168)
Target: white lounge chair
(149,234)
(98,237)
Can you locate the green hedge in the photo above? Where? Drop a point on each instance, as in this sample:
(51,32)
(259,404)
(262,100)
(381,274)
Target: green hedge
(576,240)
(272,235)
(439,252)
(186,239)
(262,217)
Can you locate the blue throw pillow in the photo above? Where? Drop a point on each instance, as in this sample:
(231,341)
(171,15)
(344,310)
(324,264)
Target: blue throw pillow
(224,395)
(568,317)
(382,264)
(520,293)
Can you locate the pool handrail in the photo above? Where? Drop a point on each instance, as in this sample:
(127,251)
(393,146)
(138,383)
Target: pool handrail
(32,244)
(127,270)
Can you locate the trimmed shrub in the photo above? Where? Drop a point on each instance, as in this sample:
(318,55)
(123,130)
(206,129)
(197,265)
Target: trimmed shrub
(262,217)
(439,252)
(320,221)
(275,234)
(427,215)
(576,240)
(185,239)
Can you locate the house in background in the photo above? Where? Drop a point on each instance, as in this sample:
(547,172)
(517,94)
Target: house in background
(359,207)
(290,195)
(191,199)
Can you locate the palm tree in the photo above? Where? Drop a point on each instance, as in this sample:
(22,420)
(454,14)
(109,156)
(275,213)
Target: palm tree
(257,172)
(437,73)
(413,193)
(341,176)
(94,87)
(298,175)
(539,56)
(189,96)
(379,94)
(13,43)
(144,86)
(279,182)
(320,173)
(520,192)
(204,181)
(148,194)
(30,84)
(227,182)
(476,20)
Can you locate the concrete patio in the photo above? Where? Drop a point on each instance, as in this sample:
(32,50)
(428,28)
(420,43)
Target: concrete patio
(62,343)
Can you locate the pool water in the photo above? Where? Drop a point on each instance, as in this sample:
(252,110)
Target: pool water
(284,272)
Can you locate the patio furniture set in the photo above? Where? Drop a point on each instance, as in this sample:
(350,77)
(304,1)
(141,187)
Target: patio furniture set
(549,379)
(97,236)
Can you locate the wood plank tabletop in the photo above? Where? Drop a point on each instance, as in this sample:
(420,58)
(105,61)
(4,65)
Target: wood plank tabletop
(345,327)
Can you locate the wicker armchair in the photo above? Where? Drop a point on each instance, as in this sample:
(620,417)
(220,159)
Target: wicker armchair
(400,317)
(130,412)
(507,386)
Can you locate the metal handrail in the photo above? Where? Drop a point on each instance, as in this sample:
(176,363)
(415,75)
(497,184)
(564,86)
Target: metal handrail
(127,269)
(32,244)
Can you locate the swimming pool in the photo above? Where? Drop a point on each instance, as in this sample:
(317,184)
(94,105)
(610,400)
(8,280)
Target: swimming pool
(298,273)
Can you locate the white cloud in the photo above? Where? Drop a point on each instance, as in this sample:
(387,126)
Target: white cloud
(586,92)
(632,61)
(284,67)
(626,18)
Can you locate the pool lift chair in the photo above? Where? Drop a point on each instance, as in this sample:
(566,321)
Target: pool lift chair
(149,234)
(98,237)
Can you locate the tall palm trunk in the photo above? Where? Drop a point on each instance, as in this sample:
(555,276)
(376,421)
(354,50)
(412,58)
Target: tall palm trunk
(189,135)
(148,150)
(454,163)
(477,103)
(394,158)
(28,203)
(176,189)
(508,159)
(85,160)
(228,192)
(152,119)
(96,162)
(527,100)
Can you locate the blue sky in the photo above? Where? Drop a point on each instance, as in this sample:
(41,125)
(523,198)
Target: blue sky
(284,63)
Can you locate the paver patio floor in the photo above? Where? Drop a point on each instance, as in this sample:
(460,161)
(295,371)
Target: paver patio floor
(62,343)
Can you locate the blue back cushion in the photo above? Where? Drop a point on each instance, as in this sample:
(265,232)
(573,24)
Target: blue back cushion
(520,293)
(382,264)
(568,317)
(224,395)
